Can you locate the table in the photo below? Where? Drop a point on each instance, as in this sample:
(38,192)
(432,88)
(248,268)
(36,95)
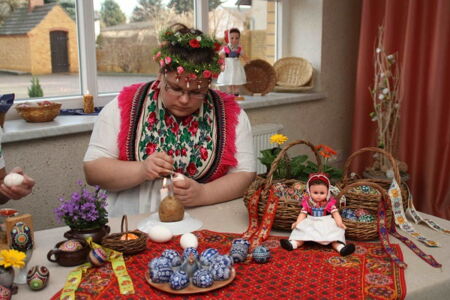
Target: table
(423,281)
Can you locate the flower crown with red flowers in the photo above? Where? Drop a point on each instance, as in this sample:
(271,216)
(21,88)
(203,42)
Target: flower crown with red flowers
(192,39)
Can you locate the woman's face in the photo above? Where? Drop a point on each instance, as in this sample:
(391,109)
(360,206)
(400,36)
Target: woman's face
(318,192)
(179,99)
(234,38)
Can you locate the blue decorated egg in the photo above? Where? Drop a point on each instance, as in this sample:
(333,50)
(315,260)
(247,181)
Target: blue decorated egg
(37,277)
(187,252)
(207,256)
(261,254)
(98,256)
(223,259)
(179,280)
(239,253)
(161,274)
(240,242)
(219,271)
(173,256)
(159,262)
(202,278)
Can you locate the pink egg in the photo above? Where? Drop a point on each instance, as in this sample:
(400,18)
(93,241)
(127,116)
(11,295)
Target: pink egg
(98,256)
(71,246)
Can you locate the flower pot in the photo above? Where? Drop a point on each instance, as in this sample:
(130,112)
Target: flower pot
(6,276)
(97,234)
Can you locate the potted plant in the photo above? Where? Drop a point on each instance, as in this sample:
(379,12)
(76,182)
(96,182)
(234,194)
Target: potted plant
(85,213)
(9,259)
(35,90)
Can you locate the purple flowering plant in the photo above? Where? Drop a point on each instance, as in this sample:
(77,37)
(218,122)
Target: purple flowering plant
(84,210)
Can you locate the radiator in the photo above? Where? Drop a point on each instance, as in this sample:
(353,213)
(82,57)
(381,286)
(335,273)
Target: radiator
(261,137)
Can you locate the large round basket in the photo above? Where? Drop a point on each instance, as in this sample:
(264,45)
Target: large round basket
(261,77)
(293,71)
(367,197)
(116,242)
(39,113)
(288,207)
(363,231)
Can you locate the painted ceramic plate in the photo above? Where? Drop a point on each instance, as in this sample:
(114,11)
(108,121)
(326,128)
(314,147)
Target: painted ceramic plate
(190,289)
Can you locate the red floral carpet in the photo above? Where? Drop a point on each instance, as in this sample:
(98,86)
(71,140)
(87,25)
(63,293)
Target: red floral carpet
(311,272)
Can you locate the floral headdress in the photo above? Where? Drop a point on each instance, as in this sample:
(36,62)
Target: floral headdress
(192,39)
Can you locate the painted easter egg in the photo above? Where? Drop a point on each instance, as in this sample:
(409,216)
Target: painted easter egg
(179,280)
(207,256)
(161,274)
(187,252)
(202,278)
(219,271)
(21,238)
(128,236)
(188,240)
(239,253)
(223,259)
(173,256)
(71,246)
(160,234)
(13,179)
(158,262)
(37,277)
(98,256)
(261,254)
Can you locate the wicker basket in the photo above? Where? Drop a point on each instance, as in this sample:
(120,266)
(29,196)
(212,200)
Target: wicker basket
(288,209)
(114,241)
(371,198)
(39,113)
(293,72)
(363,231)
(261,77)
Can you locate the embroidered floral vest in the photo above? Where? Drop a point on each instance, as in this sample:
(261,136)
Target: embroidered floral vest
(202,145)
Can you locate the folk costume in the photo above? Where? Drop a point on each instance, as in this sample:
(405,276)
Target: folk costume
(234,73)
(208,144)
(319,226)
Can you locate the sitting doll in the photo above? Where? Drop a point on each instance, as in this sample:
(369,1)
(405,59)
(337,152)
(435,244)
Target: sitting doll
(319,219)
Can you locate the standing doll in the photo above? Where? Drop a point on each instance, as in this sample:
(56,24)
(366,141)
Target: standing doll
(319,219)
(233,74)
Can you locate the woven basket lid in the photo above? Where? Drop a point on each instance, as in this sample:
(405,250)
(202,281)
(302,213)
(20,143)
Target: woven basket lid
(261,76)
(293,71)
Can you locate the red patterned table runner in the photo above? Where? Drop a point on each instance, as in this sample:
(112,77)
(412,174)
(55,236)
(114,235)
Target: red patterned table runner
(311,272)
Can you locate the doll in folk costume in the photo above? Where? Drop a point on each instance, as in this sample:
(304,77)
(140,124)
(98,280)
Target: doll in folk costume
(319,219)
(233,74)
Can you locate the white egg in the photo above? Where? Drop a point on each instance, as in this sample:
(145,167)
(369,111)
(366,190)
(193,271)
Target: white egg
(13,179)
(160,234)
(189,240)
(178,177)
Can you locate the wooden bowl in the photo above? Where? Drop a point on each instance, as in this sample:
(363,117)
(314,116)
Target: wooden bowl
(44,111)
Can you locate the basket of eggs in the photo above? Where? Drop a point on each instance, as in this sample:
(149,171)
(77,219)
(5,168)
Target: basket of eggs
(43,111)
(127,242)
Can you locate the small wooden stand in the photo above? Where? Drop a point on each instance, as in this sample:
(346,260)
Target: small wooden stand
(10,222)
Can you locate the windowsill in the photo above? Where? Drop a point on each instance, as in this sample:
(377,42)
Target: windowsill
(19,130)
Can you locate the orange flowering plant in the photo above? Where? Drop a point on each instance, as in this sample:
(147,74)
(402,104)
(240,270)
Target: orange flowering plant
(298,167)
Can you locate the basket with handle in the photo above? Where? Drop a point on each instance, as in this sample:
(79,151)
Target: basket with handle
(121,242)
(367,197)
(356,230)
(288,207)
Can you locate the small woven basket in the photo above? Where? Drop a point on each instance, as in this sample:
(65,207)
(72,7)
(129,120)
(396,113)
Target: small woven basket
(128,247)
(293,72)
(288,209)
(39,113)
(366,197)
(261,77)
(363,231)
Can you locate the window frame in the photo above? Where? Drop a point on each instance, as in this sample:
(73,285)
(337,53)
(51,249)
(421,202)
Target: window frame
(87,48)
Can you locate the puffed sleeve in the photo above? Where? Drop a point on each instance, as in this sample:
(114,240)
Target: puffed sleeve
(331,206)
(305,205)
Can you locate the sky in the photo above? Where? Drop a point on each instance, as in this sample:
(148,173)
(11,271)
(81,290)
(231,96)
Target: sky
(127,6)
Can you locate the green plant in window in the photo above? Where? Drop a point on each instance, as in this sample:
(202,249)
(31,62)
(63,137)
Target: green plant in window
(35,90)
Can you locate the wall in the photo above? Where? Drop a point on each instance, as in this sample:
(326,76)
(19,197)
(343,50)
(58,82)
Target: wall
(15,53)
(55,163)
(40,41)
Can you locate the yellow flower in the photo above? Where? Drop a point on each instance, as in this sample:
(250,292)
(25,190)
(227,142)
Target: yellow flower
(278,139)
(12,258)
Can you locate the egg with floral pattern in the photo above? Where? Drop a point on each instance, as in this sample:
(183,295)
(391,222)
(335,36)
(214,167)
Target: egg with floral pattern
(98,257)
(161,274)
(202,278)
(158,262)
(261,254)
(219,271)
(207,256)
(37,277)
(179,280)
(223,259)
(71,246)
(173,257)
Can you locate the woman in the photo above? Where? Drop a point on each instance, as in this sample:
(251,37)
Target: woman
(174,124)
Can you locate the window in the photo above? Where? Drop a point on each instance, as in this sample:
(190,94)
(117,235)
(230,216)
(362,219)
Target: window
(99,46)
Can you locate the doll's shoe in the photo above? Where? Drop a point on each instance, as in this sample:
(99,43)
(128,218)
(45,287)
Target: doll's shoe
(347,250)
(286,244)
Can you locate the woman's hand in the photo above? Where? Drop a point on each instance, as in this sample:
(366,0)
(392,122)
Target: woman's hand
(189,192)
(158,164)
(18,191)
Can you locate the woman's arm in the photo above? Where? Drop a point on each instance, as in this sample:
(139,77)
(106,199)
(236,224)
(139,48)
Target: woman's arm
(116,175)
(225,188)
(338,219)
